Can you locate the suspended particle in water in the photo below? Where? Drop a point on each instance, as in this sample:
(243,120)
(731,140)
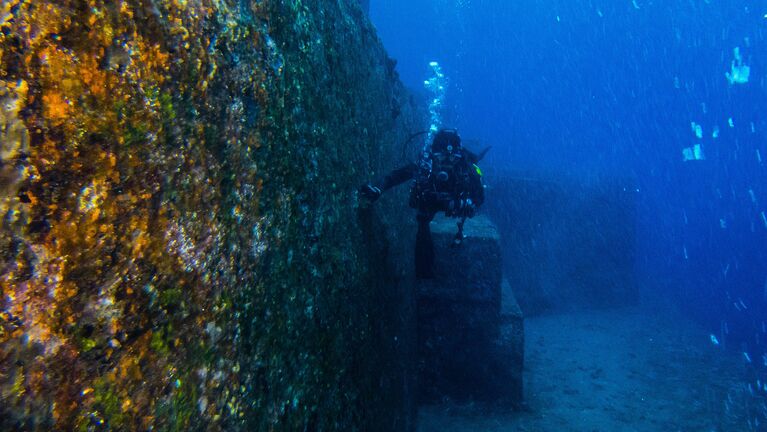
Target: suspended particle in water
(739,73)
(693,153)
(731,122)
(715,133)
(722,223)
(697,130)
(462,3)
(684,249)
(758,155)
(747,358)
(753,127)
(753,195)
(677,84)
(764,219)
(714,340)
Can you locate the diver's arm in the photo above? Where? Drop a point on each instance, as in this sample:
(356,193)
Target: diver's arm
(400,175)
(476,157)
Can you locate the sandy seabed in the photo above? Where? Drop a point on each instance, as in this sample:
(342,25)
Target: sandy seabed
(641,369)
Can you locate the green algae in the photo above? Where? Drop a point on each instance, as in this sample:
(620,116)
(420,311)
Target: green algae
(108,404)
(87,344)
(167,109)
(178,410)
(158,343)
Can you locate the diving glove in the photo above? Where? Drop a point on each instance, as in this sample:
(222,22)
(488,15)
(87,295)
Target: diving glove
(370,192)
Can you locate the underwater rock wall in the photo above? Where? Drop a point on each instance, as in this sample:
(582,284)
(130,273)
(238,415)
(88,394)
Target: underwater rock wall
(567,245)
(181,247)
(365,5)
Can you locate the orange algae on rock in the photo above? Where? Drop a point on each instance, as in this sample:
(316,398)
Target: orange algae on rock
(87,287)
(56,107)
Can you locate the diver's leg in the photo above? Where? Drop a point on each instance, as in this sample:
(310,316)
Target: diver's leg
(424,247)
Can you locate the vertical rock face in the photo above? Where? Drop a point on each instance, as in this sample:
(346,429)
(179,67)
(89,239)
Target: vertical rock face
(470,330)
(365,5)
(181,248)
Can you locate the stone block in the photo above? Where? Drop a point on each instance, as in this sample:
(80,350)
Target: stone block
(567,246)
(470,329)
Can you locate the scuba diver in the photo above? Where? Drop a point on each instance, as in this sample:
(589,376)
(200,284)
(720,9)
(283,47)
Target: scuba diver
(445,179)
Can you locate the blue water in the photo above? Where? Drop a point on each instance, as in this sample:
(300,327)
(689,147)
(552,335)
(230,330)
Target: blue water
(588,90)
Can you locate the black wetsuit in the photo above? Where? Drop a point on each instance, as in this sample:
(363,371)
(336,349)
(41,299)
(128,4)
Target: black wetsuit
(459,196)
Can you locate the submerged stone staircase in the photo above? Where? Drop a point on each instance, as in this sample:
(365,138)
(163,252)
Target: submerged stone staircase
(470,328)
